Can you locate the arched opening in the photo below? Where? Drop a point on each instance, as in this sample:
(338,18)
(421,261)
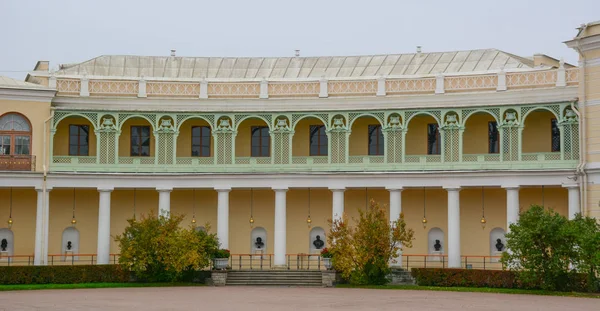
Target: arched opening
(366,137)
(258,241)
(253,139)
(70,244)
(74,137)
(316,240)
(7,244)
(15,142)
(540,133)
(497,243)
(195,140)
(481,135)
(423,136)
(435,244)
(310,138)
(137,138)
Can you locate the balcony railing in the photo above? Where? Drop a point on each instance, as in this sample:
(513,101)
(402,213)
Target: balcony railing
(313,163)
(17,163)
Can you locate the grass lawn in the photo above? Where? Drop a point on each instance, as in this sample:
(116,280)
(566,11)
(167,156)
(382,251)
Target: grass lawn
(90,285)
(474,289)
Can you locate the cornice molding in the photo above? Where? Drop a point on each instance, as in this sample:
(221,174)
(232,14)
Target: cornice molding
(41,95)
(448,100)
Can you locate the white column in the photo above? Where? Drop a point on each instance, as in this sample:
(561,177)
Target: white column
(454,260)
(280,226)
(41,227)
(512,206)
(223,217)
(395,211)
(574,208)
(104,226)
(164,201)
(338,203)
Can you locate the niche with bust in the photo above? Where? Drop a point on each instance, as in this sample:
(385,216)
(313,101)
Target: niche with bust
(7,247)
(70,244)
(258,241)
(497,243)
(435,242)
(316,240)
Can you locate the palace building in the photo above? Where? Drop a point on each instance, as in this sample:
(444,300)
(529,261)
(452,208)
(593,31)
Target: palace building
(271,148)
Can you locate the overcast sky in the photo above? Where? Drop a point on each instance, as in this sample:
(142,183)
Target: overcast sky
(74,31)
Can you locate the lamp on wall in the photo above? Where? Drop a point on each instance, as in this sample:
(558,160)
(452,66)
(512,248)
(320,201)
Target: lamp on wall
(194,207)
(308,220)
(251,207)
(73,220)
(424,221)
(483,221)
(134,197)
(10,220)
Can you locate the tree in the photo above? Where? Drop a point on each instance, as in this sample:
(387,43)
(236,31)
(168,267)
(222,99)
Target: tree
(157,249)
(587,246)
(541,248)
(362,254)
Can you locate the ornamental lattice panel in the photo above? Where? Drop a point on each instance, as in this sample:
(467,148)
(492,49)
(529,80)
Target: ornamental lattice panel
(570,133)
(108,87)
(394,146)
(281,148)
(451,144)
(510,143)
(224,148)
(398,86)
(107,147)
(338,147)
(165,143)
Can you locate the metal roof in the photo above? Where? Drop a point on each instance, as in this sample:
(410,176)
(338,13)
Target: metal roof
(6,82)
(297,67)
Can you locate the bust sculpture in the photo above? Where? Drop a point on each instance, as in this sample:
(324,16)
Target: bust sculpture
(318,243)
(69,245)
(4,245)
(499,245)
(259,243)
(437,246)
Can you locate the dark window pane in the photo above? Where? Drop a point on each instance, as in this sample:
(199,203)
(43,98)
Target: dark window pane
(195,151)
(432,139)
(555,136)
(493,137)
(146,142)
(145,151)
(134,130)
(73,129)
(255,151)
(323,150)
(72,150)
(264,151)
(196,131)
(134,151)
(145,130)
(196,141)
(205,151)
(314,150)
(83,150)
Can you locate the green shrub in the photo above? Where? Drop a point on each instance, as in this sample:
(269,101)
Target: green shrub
(489,278)
(222,253)
(63,274)
(158,249)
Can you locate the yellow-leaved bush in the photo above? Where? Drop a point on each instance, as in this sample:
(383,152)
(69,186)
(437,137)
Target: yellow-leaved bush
(362,253)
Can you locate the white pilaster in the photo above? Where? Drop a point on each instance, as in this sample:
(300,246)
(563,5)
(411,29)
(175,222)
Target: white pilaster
(439,84)
(52,81)
(164,201)
(512,206)
(264,89)
(338,203)
(84,89)
(381,86)
(395,211)
(103,252)
(574,208)
(454,260)
(501,81)
(41,227)
(280,226)
(142,88)
(203,89)
(323,92)
(223,216)
(561,75)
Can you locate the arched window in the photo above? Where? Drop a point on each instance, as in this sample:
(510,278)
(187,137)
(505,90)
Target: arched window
(15,135)
(318,140)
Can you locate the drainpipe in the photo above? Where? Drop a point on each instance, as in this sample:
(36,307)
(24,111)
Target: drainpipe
(44,190)
(582,133)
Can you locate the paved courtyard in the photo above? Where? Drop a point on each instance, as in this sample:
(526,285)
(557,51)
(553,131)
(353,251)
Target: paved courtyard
(280,298)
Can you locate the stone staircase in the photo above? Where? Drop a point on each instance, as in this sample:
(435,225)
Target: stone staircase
(275,278)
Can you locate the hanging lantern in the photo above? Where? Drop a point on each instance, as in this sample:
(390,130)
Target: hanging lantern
(308,220)
(483,222)
(424,220)
(10,220)
(251,207)
(73,220)
(194,208)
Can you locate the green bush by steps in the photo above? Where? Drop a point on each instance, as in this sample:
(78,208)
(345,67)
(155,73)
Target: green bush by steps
(488,278)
